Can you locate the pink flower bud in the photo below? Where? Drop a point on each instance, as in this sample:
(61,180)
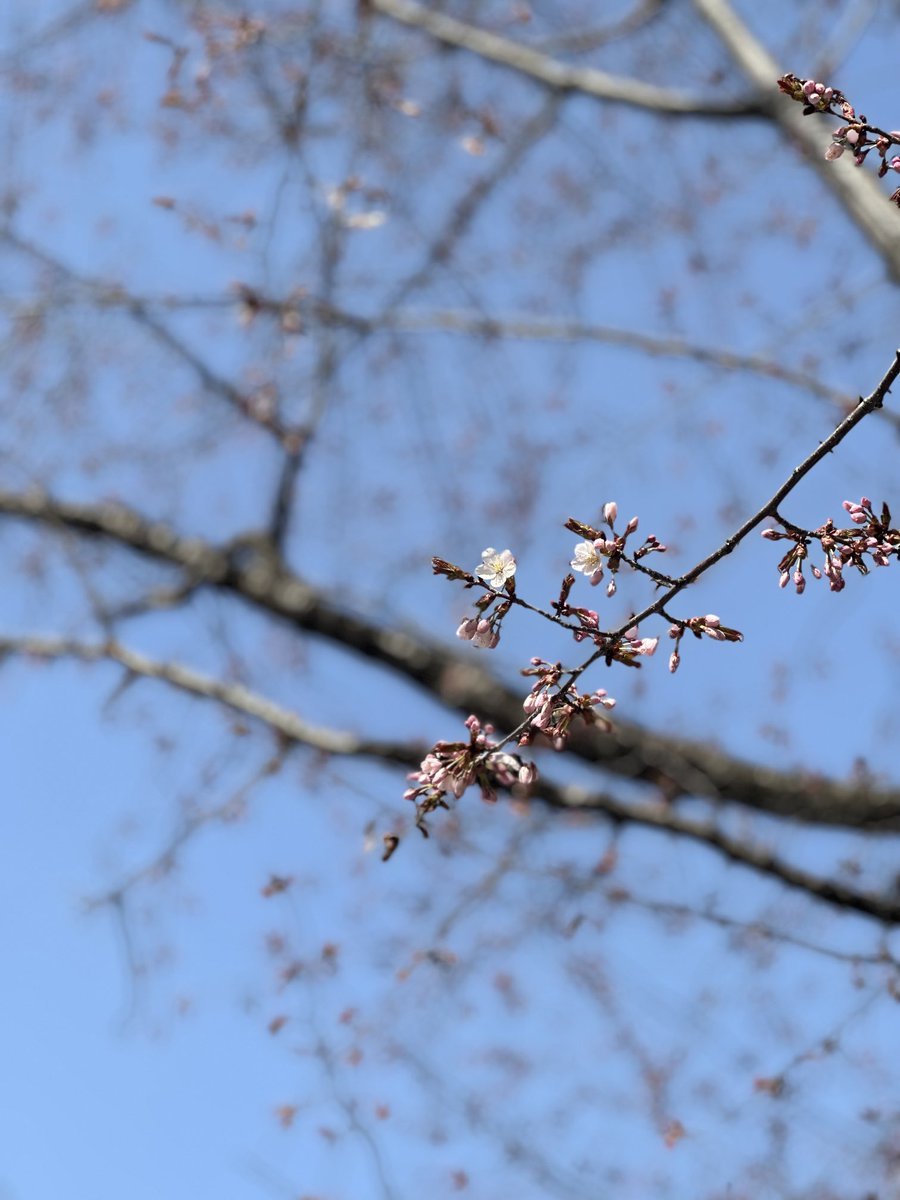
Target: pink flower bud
(527,773)
(799,582)
(674,660)
(611,588)
(631,526)
(834,151)
(785,579)
(712,621)
(610,512)
(771,535)
(809,87)
(467,628)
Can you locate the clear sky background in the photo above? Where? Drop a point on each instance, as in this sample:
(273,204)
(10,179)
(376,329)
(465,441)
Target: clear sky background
(477,1017)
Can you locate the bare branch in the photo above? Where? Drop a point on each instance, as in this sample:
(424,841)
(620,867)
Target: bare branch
(755,932)
(524,141)
(233,695)
(550,72)
(113,295)
(580,41)
(525,327)
(664,818)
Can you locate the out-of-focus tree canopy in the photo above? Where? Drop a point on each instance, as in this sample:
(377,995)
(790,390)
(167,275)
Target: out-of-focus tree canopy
(297,296)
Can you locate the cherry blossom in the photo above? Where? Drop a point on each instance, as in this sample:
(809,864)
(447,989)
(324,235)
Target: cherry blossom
(496,568)
(589,559)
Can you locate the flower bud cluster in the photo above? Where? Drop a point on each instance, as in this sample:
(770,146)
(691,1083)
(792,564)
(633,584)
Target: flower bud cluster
(706,626)
(588,620)
(816,97)
(873,539)
(551,709)
(857,136)
(479,631)
(453,767)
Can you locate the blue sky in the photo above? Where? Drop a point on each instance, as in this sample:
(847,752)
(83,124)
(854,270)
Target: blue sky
(482,1005)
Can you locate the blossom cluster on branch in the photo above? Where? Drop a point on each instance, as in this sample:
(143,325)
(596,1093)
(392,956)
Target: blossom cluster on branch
(857,135)
(453,767)
(554,704)
(873,538)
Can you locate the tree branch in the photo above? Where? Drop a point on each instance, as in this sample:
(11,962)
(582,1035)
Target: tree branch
(112,295)
(664,818)
(529,328)
(549,71)
(235,696)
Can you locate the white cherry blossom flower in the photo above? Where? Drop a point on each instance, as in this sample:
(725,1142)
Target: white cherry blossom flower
(589,560)
(496,568)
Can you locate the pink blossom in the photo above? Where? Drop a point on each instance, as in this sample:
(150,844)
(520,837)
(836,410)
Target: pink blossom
(485,636)
(646,646)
